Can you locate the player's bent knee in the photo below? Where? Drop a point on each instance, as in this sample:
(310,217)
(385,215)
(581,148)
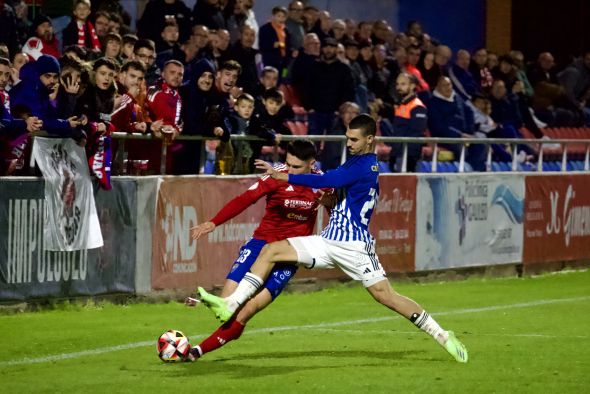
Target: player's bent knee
(274,250)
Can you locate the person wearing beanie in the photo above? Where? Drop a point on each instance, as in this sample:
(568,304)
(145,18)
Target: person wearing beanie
(43,40)
(35,96)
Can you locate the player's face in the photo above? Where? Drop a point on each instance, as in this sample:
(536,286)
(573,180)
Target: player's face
(298,166)
(358,143)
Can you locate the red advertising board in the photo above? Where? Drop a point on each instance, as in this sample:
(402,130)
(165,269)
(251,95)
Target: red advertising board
(178,262)
(394,222)
(557,218)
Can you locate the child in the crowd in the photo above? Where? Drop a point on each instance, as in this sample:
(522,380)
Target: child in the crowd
(81,31)
(97,104)
(169,37)
(129,41)
(112,50)
(242,121)
(269,78)
(273,114)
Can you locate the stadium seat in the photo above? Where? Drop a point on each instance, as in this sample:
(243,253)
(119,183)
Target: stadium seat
(291,96)
(424,166)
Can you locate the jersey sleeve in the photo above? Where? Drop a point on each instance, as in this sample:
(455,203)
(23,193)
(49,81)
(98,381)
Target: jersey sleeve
(237,205)
(340,177)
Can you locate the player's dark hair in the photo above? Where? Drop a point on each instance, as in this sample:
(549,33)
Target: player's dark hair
(273,94)
(365,123)
(302,149)
(129,39)
(133,64)
(4,61)
(144,43)
(108,63)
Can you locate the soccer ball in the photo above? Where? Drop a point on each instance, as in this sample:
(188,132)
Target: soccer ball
(173,346)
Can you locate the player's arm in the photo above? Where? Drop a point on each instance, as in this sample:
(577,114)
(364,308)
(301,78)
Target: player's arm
(340,177)
(235,207)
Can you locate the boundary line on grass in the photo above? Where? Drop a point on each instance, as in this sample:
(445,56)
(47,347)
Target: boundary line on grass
(110,349)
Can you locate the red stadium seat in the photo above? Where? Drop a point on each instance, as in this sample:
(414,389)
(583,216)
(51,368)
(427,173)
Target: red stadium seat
(291,96)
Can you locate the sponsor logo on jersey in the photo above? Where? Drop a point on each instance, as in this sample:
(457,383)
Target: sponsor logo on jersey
(298,204)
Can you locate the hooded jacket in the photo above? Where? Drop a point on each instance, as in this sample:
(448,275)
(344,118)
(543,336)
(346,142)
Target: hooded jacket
(31,96)
(201,116)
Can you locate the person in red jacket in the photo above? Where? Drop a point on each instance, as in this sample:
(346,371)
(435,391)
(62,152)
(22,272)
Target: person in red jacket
(164,105)
(290,211)
(43,42)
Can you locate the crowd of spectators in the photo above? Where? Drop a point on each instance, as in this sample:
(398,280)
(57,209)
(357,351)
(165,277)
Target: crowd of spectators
(219,69)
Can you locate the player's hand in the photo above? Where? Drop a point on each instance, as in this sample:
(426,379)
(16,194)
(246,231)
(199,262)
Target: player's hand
(202,229)
(264,166)
(328,200)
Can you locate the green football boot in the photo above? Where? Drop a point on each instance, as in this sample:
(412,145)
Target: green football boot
(456,348)
(216,304)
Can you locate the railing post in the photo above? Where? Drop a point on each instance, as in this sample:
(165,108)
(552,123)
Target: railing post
(164,153)
(514,157)
(462,158)
(564,159)
(489,159)
(587,158)
(203,156)
(540,160)
(405,158)
(433,166)
(344,152)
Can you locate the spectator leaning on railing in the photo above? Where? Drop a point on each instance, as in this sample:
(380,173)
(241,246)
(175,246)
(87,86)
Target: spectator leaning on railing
(410,120)
(13,132)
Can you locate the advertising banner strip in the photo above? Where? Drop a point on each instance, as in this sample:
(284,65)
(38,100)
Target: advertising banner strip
(557,218)
(179,262)
(29,271)
(469,220)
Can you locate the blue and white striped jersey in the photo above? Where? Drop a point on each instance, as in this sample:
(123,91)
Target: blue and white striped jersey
(358,190)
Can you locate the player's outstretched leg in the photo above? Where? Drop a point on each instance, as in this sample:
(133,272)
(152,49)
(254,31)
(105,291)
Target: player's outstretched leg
(229,331)
(384,293)
(216,304)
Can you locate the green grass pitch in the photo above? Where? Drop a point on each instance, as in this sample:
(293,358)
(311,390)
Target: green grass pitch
(525,335)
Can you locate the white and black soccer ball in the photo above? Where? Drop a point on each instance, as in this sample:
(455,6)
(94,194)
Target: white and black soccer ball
(173,346)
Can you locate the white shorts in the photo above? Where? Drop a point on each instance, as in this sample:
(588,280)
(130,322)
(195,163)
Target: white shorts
(357,259)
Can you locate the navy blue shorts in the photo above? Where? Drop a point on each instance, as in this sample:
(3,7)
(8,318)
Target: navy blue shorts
(279,276)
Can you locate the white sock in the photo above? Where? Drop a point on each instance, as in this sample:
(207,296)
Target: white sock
(246,289)
(426,323)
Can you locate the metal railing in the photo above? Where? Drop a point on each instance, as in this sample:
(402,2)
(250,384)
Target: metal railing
(405,141)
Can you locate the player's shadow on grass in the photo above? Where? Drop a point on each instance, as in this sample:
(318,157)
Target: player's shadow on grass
(241,366)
